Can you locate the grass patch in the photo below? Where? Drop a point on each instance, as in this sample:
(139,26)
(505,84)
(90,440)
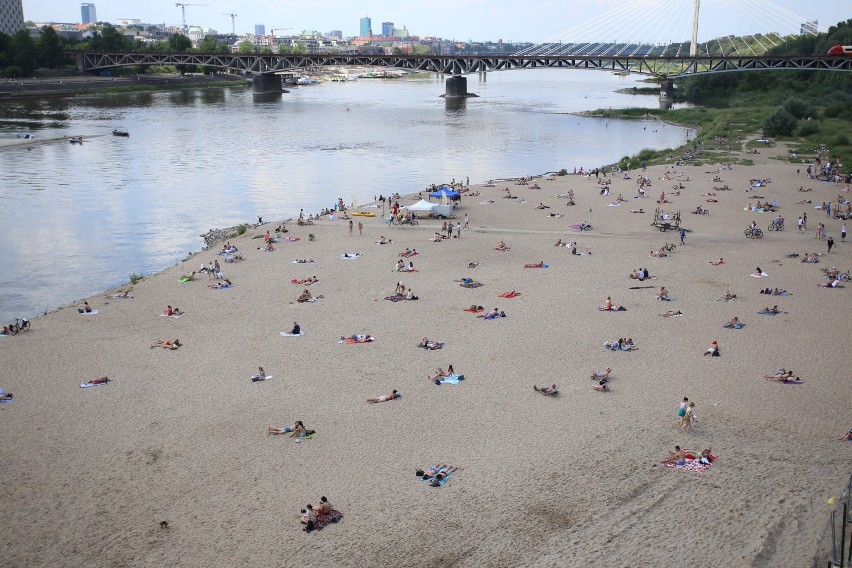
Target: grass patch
(135,278)
(241,230)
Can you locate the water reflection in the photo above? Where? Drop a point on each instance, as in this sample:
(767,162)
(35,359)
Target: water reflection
(455,105)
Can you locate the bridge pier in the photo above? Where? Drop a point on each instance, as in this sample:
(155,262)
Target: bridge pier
(666,94)
(265,84)
(456,87)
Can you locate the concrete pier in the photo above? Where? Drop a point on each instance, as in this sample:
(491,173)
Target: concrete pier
(456,87)
(266,84)
(666,94)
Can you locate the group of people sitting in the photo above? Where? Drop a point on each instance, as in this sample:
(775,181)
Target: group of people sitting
(306,296)
(221,284)
(401,267)
(621,345)
(306,281)
(85,308)
(407,253)
(440,375)
(319,516)
(171,344)
(678,457)
(173,312)
(641,274)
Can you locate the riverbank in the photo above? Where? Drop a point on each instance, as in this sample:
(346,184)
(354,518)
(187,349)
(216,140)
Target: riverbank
(84,85)
(181,436)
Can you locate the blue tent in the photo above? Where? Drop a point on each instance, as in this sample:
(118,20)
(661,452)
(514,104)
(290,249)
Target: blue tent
(445,192)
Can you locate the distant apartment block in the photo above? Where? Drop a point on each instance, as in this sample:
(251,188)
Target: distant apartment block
(89,15)
(387,29)
(259,30)
(11,16)
(336,34)
(366,28)
(809,28)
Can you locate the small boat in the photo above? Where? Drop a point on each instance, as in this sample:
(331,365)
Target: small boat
(75,139)
(362,214)
(120,132)
(307,81)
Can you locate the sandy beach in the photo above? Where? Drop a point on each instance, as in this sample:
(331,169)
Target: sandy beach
(576,480)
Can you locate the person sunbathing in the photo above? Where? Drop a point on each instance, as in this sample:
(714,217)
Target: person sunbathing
(833,284)
(385,397)
(609,307)
(493,314)
(85,308)
(99,381)
(121,296)
(734,322)
(503,247)
(188,277)
(846,438)
(547,391)
(383,241)
(601,386)
(172,344)
(221,284)
(781,375)
(727,296)
(6,395)
(659,254)
(663,294)
(297,330)
(296,430)
(359,338)
(678,457)
(718,262)
(773,310)
(640,210)
(323,507)
(472,264)
(601,375)
(542,206)
(713,350)
(539,264)
(304,260)
(474,309)
(758,273)
(304,296)
(437,375)
(260,375)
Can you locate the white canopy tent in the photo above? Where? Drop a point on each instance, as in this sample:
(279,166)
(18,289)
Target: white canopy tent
(421,205)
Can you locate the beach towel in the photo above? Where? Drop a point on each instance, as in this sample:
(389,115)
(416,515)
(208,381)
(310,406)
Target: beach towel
(255,378)
(764,313)
(395,298)
(450,380)
(173,316)
(325,519)
(92,313)
(615,205)
(536,265)
(309,300)
(690,465)
(618,309)
(510,295)
(761,275)
(300,262)
(223,287)
(90,385)
(291,239)
(490,317)
(288,334)
(792,382)
(350,341)
(349,256)
(470,284)
(440,482)
(738,326)
(184,279)
(474,311)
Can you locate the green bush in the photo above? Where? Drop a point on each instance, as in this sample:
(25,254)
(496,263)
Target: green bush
(241,230)
(779,123)
(798,108)
(135,278)
(808,127)
(839,140)
(833,111)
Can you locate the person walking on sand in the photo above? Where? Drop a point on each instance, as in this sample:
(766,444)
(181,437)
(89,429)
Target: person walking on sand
(682,409)
(830,243)
(360,228)
(467,223)
(686,419)
(350,227)
(843,233)
(804,222)
(801,225)
(682,235)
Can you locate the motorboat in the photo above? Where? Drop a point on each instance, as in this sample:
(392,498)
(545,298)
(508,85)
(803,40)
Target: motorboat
(75,139)
(307,81)
(120,132)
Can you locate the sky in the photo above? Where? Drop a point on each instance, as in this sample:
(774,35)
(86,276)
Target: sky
(477,20)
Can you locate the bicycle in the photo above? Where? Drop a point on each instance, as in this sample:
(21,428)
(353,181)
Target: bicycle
(776,226)
(753,233)
(670,247)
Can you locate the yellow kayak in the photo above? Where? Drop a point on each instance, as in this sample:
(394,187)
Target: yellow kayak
(360,214)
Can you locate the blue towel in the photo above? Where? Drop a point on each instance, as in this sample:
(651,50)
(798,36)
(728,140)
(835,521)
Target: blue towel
(452,379)
(440,482)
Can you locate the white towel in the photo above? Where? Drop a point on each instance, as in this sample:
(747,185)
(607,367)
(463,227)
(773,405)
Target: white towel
(351,256)
(168,316)
(92,313)
(288,334)
(90,385)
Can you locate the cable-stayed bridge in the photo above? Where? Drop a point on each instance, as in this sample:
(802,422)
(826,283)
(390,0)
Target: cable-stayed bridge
(602,44)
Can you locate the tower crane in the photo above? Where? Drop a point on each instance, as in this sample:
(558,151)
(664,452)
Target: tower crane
(182,7)
(233,26)
(272,35)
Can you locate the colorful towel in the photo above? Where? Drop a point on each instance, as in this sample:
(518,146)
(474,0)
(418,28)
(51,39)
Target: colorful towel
(395,298)
(440,482)
(325,519)
(291,239)
(288,334)
(450,380)
(763,313)
(690,465)
(470,284)
(536,265)
(792,382)
(510,295)
(350,341)
(476,311)
(90,385)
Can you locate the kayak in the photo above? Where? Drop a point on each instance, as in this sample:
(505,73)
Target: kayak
(361,214)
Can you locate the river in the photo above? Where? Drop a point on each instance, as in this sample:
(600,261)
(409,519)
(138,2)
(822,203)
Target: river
(78,219)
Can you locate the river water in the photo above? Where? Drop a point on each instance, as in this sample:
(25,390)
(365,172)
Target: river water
(78,219)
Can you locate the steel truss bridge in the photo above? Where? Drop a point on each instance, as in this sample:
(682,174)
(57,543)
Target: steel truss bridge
(670,67)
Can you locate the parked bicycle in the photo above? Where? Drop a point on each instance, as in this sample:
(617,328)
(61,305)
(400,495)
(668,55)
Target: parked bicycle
(670,247)
(777,225)
(753,233)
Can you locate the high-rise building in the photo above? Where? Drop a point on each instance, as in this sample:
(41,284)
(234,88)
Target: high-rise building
(366,26)
(336,34)
(88,12)
(809,28)
(259,30)
(11,16)
(387,29)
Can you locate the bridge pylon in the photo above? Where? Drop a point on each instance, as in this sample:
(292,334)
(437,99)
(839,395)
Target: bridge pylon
(456,87)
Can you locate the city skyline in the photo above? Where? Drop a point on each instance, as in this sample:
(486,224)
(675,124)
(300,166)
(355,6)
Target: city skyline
(461,20)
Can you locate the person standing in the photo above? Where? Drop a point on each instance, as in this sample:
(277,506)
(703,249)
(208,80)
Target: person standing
(804,221)
(467,222)
(682,409)
(843,233)
(686,419)
(360,228)
(801,225)
(351,226)
(458,230)
(830,243)
(682,235)
(828,209)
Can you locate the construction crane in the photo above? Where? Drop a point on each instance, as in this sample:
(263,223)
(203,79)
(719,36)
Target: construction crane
(233,26)
(183,13)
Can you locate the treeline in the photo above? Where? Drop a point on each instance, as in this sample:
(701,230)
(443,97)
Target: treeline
(21,55)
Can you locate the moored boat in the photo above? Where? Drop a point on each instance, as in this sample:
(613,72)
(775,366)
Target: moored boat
(120,132)
(75,139)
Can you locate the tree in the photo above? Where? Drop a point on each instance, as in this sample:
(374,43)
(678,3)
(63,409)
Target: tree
(211,45)
(798,107)
(23,52)
(421,50)
(245,47)
(779,123)
(110,39)
(179,43)
(49,48)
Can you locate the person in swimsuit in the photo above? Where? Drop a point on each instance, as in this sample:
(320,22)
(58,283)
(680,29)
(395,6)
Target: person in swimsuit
(601,375)
(549,391)
(678,456)
(431,472)
(296,429)
(686,419)
(713,350)
(385,397)
(601,386)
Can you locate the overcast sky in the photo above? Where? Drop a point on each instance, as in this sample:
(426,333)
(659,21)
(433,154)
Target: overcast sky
(479,20)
